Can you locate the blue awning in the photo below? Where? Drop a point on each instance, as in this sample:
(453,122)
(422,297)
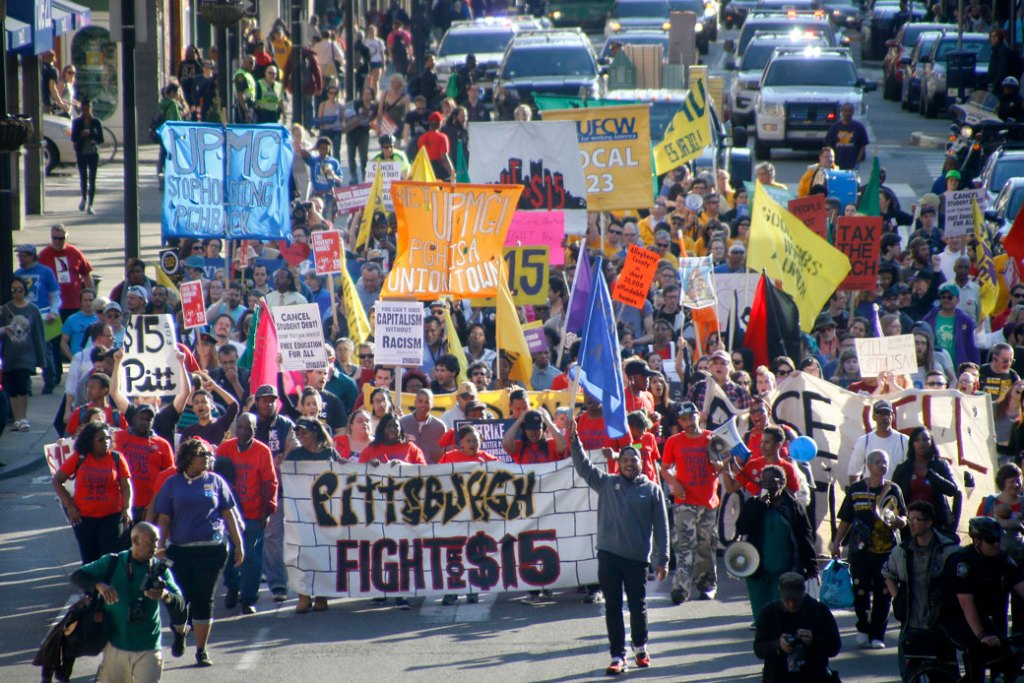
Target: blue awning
(63,22)
(36,14)
(80,16)
(19,34)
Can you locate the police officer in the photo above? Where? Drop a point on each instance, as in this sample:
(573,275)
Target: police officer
(979,579)
(1011,105)
(269,98)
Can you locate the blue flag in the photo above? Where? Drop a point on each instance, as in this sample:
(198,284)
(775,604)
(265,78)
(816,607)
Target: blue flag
(579,298)
(600,358)
(226,182)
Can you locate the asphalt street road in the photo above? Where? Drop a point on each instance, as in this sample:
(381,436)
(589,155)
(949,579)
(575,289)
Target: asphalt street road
(497,640)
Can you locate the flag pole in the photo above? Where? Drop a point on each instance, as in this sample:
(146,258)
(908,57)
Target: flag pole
(334,309)
(567,308)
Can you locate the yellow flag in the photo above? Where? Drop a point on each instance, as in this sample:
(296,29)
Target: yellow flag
(989,288)
(454,347)
(808,267)
(510,334)
(688,134)
(358,325)
(376,201)
(421,168)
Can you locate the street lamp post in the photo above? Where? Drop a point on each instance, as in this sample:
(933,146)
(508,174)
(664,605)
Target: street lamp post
(132,237)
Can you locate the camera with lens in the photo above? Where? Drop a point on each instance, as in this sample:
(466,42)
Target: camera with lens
(300,212)
(796,659)
(154,581)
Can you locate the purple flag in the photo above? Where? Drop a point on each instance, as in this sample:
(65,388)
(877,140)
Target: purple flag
(876,324)
(579,298)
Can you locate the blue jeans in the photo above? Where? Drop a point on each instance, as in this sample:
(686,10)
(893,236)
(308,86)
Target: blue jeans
(246,579)
(273,552)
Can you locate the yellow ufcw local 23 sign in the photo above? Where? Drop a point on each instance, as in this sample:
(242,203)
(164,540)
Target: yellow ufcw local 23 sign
(615,145)
(688,134)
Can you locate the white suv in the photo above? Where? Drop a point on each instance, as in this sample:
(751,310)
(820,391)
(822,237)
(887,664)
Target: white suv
(801,94)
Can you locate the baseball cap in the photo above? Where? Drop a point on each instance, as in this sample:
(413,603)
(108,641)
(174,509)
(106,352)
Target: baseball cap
(953,174)
(139,291)
(949,287)
(721,355)
(435,117)
(882,406)
(927,208)
(195,262)
(824,320)
(474,405)
(112,306)
(532,420)
(25,249)
(638,367)
(688,408)
(143,408)
(266,390)
(929,199)
(307,423)
(791,586)
(923,274)
(466,388)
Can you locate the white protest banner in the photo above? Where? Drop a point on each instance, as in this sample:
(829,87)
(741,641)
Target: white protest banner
(959,216)
(150,365)
(734,291)
(300,337)
(697,277)
(193,307)
(398,333)
(326,251)
(392,171)
(887,354)
(352,198)
(359,531)
(541,156)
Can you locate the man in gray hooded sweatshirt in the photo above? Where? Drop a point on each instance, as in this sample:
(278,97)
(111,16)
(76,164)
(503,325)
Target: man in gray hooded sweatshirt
(630,510)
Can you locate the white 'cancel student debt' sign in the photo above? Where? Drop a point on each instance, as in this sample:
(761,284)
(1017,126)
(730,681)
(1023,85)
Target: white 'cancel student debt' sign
(398,333)
(150,365)
(300,337)
(887,354)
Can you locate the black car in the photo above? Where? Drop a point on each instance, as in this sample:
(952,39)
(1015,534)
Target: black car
(556,62)
(736,11)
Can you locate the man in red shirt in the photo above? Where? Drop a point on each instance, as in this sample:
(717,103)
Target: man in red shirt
(638,376)
(693,478)
(147,455)
(748,475)
(438,147)
(73,272)
(255,486)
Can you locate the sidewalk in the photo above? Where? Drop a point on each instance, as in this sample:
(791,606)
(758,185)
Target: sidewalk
(101,238)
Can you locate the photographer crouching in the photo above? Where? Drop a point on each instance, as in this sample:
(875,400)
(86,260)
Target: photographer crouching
(132,590)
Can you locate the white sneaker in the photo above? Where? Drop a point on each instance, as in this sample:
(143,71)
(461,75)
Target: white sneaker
(877,645)
(25,426)
(91,211)
(862,640)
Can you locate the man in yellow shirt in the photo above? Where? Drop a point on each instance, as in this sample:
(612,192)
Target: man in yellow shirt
(817,174)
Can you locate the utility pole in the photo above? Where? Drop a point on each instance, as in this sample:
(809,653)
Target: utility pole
(132,236)
(297,62)
(6,203)
(350,51)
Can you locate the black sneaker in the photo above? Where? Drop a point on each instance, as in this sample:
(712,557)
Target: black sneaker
(202,659)
(402,604)
(248,608)
(231,599)
(594,596)
(178,644)
(280,595)
(678,597)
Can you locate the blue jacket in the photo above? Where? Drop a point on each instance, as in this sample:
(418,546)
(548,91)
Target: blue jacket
(963,334)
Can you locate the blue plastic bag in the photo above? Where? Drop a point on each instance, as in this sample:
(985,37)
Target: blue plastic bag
(837,585)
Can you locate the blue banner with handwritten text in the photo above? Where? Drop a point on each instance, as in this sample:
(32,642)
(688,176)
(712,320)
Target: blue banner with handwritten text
(228,182)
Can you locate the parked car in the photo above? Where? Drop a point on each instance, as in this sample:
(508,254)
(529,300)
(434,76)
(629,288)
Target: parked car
(57,147)
(934,94)
(901,45)
(913,66)
(1005,207)
(585,13)
(735,12)
(1004,163)
(627,15)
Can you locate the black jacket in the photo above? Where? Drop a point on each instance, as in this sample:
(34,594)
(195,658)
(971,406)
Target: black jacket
(751,524)
(941,479)
(774,620)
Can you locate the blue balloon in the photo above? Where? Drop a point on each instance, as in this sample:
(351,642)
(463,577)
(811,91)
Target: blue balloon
(803,449)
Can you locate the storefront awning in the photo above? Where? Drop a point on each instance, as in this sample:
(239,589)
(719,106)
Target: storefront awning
(19,34)
(80,16)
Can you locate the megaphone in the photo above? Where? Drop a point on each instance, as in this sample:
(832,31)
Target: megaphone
(742,559)
(726,440)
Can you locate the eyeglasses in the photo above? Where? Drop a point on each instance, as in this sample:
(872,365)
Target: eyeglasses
(17,290)
(365,356)
(661,245)
(990,541)
(614,232)
(946,296)
(197,247)
(58,238)
(939,385)
(478,374)
(1018,295)
(783,373)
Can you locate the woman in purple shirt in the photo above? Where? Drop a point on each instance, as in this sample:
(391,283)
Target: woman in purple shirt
(194,509)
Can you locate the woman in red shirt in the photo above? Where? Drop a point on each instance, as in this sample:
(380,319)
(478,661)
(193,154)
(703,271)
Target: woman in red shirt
(532,448)
(350,445)
(468,439)
(389,443)
(99,511)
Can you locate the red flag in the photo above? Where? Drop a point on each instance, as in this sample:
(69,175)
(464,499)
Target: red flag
(264,358)
(1013,243)
(774,326)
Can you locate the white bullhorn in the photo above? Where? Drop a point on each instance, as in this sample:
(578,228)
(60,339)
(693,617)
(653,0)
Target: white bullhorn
(742,559)
(727,441)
